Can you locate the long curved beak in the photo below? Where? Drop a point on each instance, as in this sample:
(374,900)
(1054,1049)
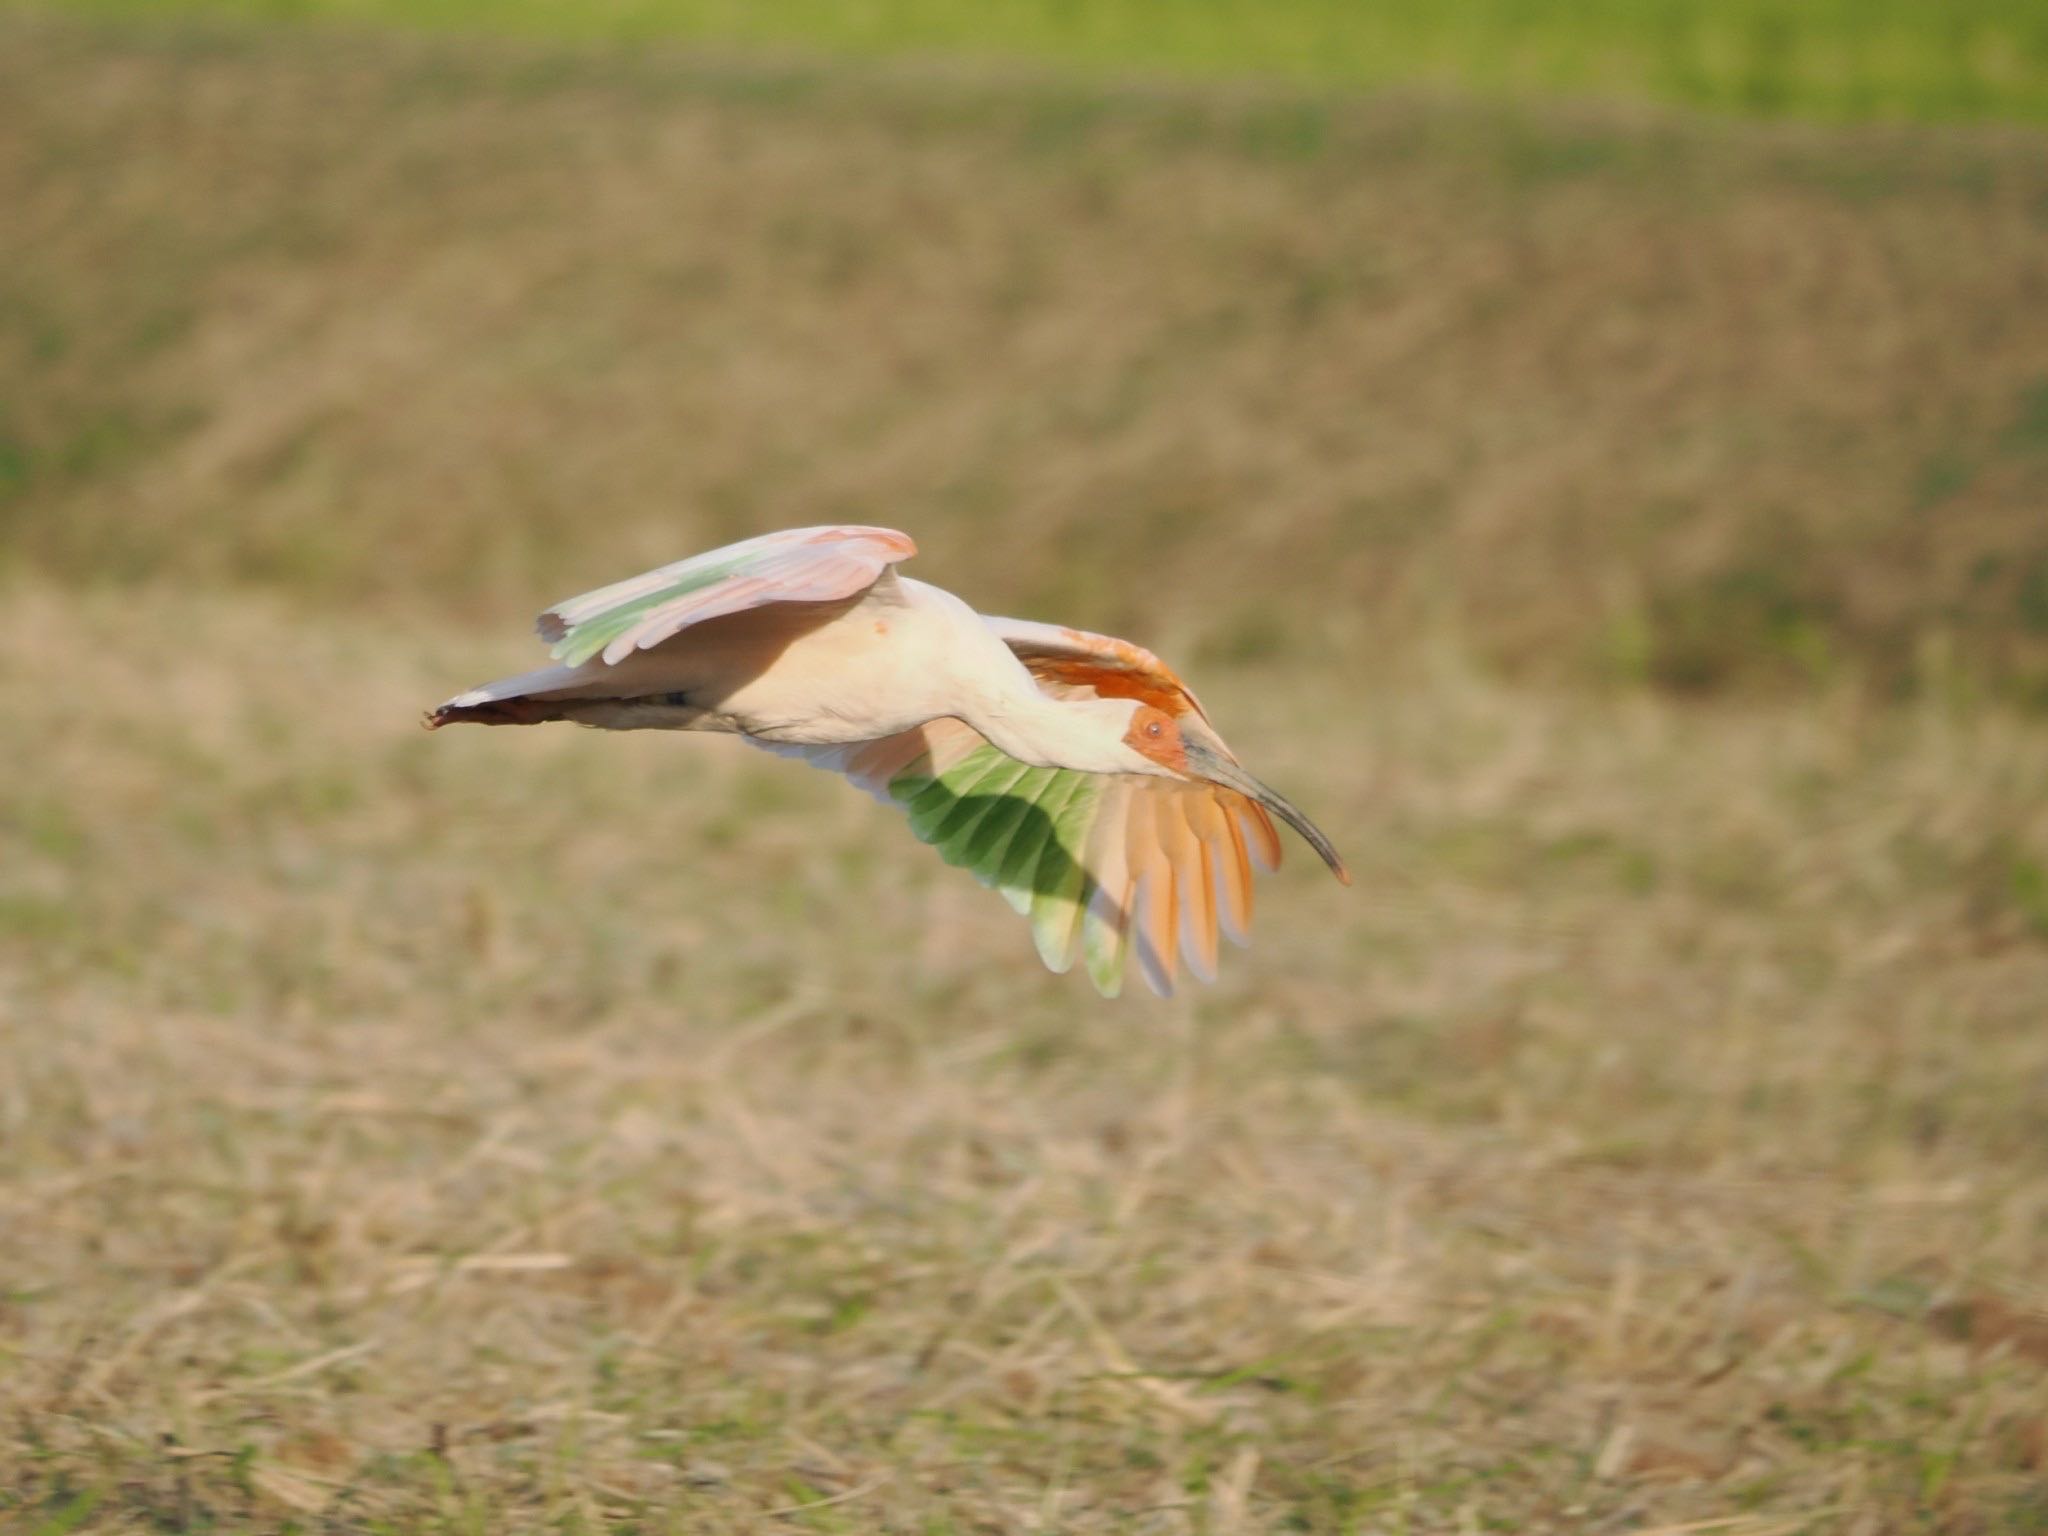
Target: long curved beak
(1208,764)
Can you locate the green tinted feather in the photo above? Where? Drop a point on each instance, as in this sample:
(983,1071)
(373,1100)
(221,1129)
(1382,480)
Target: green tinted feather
(954,836)
(1102,951)
(972,810)
(1036,843)
(926,802)
(793,565)
(1025,831)
(943,801)
(1062,886)
(988,844)
(592,635)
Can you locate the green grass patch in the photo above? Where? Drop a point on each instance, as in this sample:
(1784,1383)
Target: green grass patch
(1965,59)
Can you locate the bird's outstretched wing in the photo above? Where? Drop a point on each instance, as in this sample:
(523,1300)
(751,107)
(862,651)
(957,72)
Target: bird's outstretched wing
(1074,661)
(797,565)
(1105,865)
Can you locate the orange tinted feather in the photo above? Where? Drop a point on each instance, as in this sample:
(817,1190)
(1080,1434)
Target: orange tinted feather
(1155,919)
(1109,866)
(1110,683)
(1237,878)
(1198,885)
(1264,836)
(876,763)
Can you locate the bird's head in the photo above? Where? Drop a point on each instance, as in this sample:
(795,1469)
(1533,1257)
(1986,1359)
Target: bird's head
(1186,748)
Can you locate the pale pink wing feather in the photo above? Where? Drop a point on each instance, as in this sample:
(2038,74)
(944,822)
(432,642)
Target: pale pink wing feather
(796,565)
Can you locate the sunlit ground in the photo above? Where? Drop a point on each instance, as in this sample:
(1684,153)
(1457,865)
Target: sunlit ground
(510,1130)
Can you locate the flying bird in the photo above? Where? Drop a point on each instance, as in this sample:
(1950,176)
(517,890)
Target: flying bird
(1075,773)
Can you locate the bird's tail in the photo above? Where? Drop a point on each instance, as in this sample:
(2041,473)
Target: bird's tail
(567,693)
(521,700)
(499,712)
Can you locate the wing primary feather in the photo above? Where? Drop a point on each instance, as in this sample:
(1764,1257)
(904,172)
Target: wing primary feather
(956,794)
(1106,920)
(1197,889)
(1153,920)
(1261,834)
(1234,881)
(1103,930)
(1033,838)
(1061,895)
(953,834)
(988,849)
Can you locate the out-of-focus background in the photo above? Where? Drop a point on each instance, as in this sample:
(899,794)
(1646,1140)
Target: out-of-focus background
(1595,457)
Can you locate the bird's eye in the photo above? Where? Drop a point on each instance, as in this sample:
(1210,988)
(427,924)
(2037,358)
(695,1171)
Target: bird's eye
(1152,729)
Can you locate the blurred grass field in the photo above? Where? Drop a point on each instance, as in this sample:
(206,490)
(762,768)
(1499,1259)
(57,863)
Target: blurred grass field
(1950,59)
(1692,404)
(1623,532)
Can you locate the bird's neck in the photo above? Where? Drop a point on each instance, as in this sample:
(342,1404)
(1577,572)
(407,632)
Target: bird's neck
(1047,732)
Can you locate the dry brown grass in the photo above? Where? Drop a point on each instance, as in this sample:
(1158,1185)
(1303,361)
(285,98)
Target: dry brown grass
(548,1130)
(539,1131)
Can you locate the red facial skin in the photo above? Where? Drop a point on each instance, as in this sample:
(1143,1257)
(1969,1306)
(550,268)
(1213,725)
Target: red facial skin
(1154,735)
